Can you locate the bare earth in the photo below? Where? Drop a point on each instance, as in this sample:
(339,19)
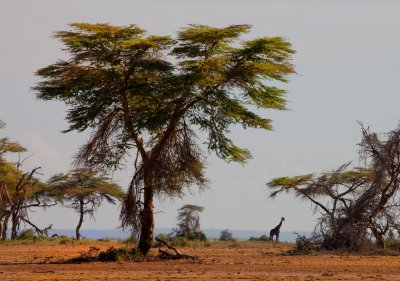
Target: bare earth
(248,261)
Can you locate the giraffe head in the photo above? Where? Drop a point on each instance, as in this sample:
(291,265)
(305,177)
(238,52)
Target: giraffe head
(283,218)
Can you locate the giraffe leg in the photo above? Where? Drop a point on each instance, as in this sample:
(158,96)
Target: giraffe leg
(277,238)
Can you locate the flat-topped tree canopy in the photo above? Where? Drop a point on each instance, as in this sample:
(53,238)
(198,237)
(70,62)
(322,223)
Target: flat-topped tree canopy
(151,93)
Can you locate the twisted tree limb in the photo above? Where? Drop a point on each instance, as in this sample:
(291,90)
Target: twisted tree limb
(167,255)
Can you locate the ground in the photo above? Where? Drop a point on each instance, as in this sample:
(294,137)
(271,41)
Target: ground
(216,261)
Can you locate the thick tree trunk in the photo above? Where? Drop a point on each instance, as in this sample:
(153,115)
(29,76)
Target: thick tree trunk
(147,230)
(78,227)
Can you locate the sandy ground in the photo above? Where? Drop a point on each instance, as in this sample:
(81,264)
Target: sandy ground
(255,261)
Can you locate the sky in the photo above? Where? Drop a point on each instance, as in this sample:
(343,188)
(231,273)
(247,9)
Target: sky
(347,65)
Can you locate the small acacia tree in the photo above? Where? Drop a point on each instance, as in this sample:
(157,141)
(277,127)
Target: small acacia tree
(149,93)
(19,191)
(189,223)
(84,190)
(354,203)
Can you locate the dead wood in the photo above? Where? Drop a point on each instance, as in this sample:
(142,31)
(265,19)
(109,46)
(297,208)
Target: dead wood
(167,255)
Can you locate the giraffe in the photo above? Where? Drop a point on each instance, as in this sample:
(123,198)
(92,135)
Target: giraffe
(275,231)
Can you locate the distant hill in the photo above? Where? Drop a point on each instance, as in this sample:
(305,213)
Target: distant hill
(287,236)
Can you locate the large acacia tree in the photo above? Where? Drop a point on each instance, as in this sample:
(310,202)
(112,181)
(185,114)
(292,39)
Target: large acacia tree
(149,93)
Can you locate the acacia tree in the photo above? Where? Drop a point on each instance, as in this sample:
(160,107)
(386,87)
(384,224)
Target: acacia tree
(149,93)
(189,222)
(83,190)
(19,191)
(357,202)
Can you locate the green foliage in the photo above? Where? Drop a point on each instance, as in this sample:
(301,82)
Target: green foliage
(233,243)
(226,235)
(84,187)
(84,184)
(19,191)
(189,223)
(118,254)
(175,241)
(393,244)
(179,242)
(210,86)
(8,146)
(26,234)
(261,238)
(65,240)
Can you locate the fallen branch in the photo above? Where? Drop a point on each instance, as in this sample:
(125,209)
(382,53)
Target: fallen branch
(167,255)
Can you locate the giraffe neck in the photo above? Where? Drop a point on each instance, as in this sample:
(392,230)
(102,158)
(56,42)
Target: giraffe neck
(279,225)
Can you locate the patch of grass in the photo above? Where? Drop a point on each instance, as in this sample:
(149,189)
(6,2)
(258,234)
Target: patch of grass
(261,238)
(393,244)
(104,239)
(234,244)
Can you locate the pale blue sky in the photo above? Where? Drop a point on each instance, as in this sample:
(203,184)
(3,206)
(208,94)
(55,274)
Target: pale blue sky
(347,61)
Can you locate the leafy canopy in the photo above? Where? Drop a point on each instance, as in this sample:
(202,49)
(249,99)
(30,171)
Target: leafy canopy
(83,186)
(124,84)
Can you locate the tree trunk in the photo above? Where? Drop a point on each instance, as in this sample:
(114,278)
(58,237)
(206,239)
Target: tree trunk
(4,227)
(78,227)
(14,225)
(15,213)
(379,237)
(380,241)
(147,230)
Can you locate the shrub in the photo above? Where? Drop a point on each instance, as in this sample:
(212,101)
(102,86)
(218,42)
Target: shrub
(111,254)
(174,241)
(118,254)
(226,235)
(179,242)
(307,245)
(26,234)
(233,243)
(261,238)
(393,244)
(64,240)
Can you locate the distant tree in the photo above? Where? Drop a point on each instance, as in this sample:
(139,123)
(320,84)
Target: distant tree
(189,223)
(150,93)
(84,190)
(354,203)
(226,235)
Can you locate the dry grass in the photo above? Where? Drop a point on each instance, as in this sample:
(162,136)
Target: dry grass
(217,261)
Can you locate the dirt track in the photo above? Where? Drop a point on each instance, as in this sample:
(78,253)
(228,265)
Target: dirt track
(257,261)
